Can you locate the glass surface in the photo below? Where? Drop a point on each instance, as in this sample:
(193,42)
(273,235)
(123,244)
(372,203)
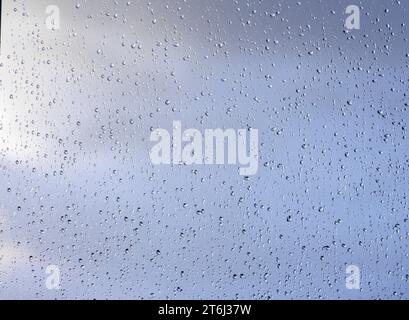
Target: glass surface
(86,213)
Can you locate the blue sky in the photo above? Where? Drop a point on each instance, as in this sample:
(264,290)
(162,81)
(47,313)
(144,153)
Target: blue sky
(78,189)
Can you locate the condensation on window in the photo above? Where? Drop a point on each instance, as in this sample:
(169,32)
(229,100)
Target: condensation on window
(86,212)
